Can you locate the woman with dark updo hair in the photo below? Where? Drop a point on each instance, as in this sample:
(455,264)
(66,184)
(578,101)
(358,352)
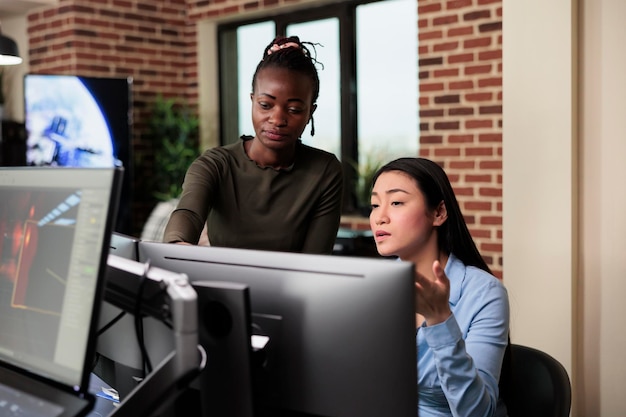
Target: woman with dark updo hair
(268,191)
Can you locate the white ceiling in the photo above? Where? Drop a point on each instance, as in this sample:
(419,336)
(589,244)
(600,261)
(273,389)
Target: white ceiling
(20,7)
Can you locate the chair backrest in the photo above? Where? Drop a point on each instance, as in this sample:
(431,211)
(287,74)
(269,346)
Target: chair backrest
(539,384)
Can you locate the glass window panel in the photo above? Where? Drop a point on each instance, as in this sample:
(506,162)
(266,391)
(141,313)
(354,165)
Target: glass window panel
(387,77)
(251,41)
(328,114)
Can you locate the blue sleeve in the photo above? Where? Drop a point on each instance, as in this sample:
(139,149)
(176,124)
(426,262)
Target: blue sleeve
(469,368)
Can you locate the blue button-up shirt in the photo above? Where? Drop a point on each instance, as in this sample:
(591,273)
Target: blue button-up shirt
(459,360)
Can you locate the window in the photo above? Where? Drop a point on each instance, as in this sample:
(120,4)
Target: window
(368,104)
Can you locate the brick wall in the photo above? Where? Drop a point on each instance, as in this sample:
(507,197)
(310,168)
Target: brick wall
(460,53)
(152,41)
(460,63)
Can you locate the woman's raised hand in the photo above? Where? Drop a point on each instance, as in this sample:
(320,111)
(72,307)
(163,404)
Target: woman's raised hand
(432,296)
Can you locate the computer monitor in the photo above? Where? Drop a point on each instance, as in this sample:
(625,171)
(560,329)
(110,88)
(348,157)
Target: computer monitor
(341,329)
(223,308)
(119,358)
(124,246)
(55,227)
(81,121)
(143,289)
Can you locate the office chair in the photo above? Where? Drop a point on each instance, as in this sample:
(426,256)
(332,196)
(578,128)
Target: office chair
(538,384)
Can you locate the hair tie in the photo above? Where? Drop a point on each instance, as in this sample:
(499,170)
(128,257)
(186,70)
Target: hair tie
(277,47)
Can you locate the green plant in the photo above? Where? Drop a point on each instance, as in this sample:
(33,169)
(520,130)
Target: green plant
(173,131)
(365,174)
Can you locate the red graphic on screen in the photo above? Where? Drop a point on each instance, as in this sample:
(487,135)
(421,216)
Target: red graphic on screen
(37,232)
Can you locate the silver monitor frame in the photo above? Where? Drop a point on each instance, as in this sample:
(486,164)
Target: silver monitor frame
(342,329)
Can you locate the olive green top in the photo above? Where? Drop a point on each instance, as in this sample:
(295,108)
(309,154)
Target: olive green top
(247,206)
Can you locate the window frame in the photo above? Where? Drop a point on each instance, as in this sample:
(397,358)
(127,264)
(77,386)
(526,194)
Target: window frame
(345,12)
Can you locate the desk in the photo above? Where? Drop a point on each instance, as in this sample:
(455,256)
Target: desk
(355,243)
(103,406)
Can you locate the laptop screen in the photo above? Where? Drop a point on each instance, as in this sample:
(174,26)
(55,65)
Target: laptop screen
(55,227)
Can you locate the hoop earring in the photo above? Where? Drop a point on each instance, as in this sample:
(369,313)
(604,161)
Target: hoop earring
(312,127)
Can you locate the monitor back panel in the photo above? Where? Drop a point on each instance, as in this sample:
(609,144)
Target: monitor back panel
(342,329)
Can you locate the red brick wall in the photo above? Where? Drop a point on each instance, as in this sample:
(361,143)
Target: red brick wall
(460,71)
(460,54)
(152,41)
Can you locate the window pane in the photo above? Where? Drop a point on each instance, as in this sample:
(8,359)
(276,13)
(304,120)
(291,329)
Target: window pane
(327,116)
(251,41)
(387,77)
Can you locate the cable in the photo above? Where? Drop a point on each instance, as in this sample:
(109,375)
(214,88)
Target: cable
(146,362)
(111,323)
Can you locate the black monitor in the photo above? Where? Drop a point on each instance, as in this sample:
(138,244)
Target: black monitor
(55,227)
(81,121)
(341,329)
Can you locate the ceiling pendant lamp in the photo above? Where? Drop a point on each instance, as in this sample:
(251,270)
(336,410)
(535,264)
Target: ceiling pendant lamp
(8,51)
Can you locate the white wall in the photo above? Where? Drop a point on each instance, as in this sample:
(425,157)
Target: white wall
(602,359)
(564,193)
(539,168)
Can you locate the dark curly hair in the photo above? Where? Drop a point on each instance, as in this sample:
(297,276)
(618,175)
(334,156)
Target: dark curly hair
(295,55)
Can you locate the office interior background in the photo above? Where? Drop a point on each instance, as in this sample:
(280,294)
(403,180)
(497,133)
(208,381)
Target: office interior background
(521,102)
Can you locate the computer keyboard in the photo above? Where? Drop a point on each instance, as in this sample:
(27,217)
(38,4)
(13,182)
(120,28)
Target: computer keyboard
(15,403)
